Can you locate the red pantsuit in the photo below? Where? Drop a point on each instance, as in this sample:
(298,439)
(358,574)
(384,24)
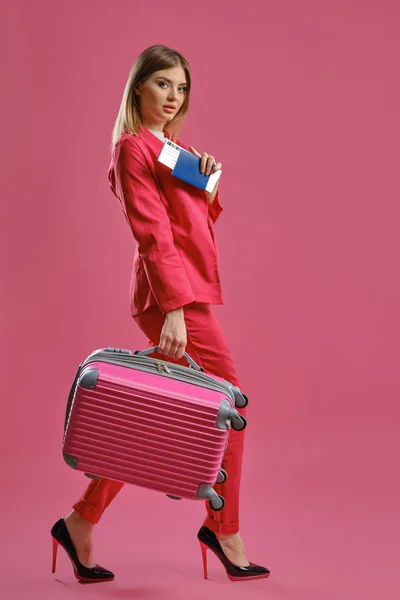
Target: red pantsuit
(207,346)
(175,265)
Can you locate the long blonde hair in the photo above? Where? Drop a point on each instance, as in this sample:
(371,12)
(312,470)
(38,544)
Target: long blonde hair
(154,58)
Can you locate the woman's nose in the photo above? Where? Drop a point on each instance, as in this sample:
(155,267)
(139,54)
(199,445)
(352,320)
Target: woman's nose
(173,94)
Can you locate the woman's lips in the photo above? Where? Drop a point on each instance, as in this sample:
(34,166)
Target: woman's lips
(169,109)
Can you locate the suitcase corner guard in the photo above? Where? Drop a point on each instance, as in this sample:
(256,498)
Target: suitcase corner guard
(227,414)
(89,379)
(71,461)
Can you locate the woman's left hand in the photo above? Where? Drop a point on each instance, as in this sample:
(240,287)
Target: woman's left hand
(207,162)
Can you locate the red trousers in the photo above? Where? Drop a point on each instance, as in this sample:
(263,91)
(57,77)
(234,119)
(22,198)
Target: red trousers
(207,346)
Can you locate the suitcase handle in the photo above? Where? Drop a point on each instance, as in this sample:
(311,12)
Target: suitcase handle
(189,359)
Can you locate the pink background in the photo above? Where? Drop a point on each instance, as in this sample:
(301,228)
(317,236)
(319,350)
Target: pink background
(300,102)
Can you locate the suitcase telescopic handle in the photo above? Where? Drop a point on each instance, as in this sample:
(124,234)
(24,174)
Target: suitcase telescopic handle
(189,359)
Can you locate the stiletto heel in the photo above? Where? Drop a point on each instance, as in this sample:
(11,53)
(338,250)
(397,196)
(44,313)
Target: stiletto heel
(208,540)
(204,549)
(55,546)
(60,535)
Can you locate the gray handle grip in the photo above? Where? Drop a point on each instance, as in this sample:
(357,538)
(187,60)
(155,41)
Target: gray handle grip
(189,359)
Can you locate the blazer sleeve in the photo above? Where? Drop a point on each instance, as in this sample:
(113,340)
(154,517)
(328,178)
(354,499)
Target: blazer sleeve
(137,190)
(215,209)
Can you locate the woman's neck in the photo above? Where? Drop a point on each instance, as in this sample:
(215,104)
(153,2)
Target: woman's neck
(155,126)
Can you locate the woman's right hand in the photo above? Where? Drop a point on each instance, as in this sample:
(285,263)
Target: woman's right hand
(173,338)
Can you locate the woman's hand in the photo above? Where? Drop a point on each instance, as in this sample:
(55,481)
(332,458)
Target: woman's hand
(173,338)
(207,162)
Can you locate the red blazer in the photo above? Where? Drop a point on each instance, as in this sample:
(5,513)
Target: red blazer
(176,257)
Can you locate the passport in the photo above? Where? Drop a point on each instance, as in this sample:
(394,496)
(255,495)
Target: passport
(186,166)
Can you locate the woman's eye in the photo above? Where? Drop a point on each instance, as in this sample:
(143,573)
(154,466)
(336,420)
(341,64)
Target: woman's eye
(164,84)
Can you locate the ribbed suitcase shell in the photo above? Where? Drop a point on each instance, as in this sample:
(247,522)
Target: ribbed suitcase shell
(144,429)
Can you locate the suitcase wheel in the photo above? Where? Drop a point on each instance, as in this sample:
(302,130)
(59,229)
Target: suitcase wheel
(241,400)
(222,476)
(239,422)
(217,504)
(246,401)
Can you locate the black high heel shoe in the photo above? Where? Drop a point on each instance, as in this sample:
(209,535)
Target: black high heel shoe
(209,541)
(60,535)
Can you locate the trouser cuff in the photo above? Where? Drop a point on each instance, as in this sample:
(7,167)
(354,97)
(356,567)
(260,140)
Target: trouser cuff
(221,527)
(87,511)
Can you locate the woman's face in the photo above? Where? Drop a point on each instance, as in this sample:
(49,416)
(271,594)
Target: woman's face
(161,96)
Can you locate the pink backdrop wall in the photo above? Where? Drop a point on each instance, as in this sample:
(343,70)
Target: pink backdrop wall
(300,102)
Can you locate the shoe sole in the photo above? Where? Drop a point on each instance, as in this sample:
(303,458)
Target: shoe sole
(249,578)
(90,580)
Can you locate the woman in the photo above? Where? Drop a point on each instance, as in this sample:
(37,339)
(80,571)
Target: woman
(174,283)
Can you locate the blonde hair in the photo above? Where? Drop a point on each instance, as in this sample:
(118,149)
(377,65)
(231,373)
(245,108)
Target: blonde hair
(154,58)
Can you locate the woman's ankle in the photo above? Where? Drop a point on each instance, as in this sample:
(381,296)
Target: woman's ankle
(226,536)
(74,518)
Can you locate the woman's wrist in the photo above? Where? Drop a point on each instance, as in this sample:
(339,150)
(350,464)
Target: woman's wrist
(176,311)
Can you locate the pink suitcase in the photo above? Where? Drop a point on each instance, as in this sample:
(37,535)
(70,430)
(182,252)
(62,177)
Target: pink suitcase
(152,423)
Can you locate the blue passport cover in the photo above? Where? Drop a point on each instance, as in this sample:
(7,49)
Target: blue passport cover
(187,168)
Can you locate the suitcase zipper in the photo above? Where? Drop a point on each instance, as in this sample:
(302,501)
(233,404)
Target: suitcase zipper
(177,372)
(161,366)
(183,374)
